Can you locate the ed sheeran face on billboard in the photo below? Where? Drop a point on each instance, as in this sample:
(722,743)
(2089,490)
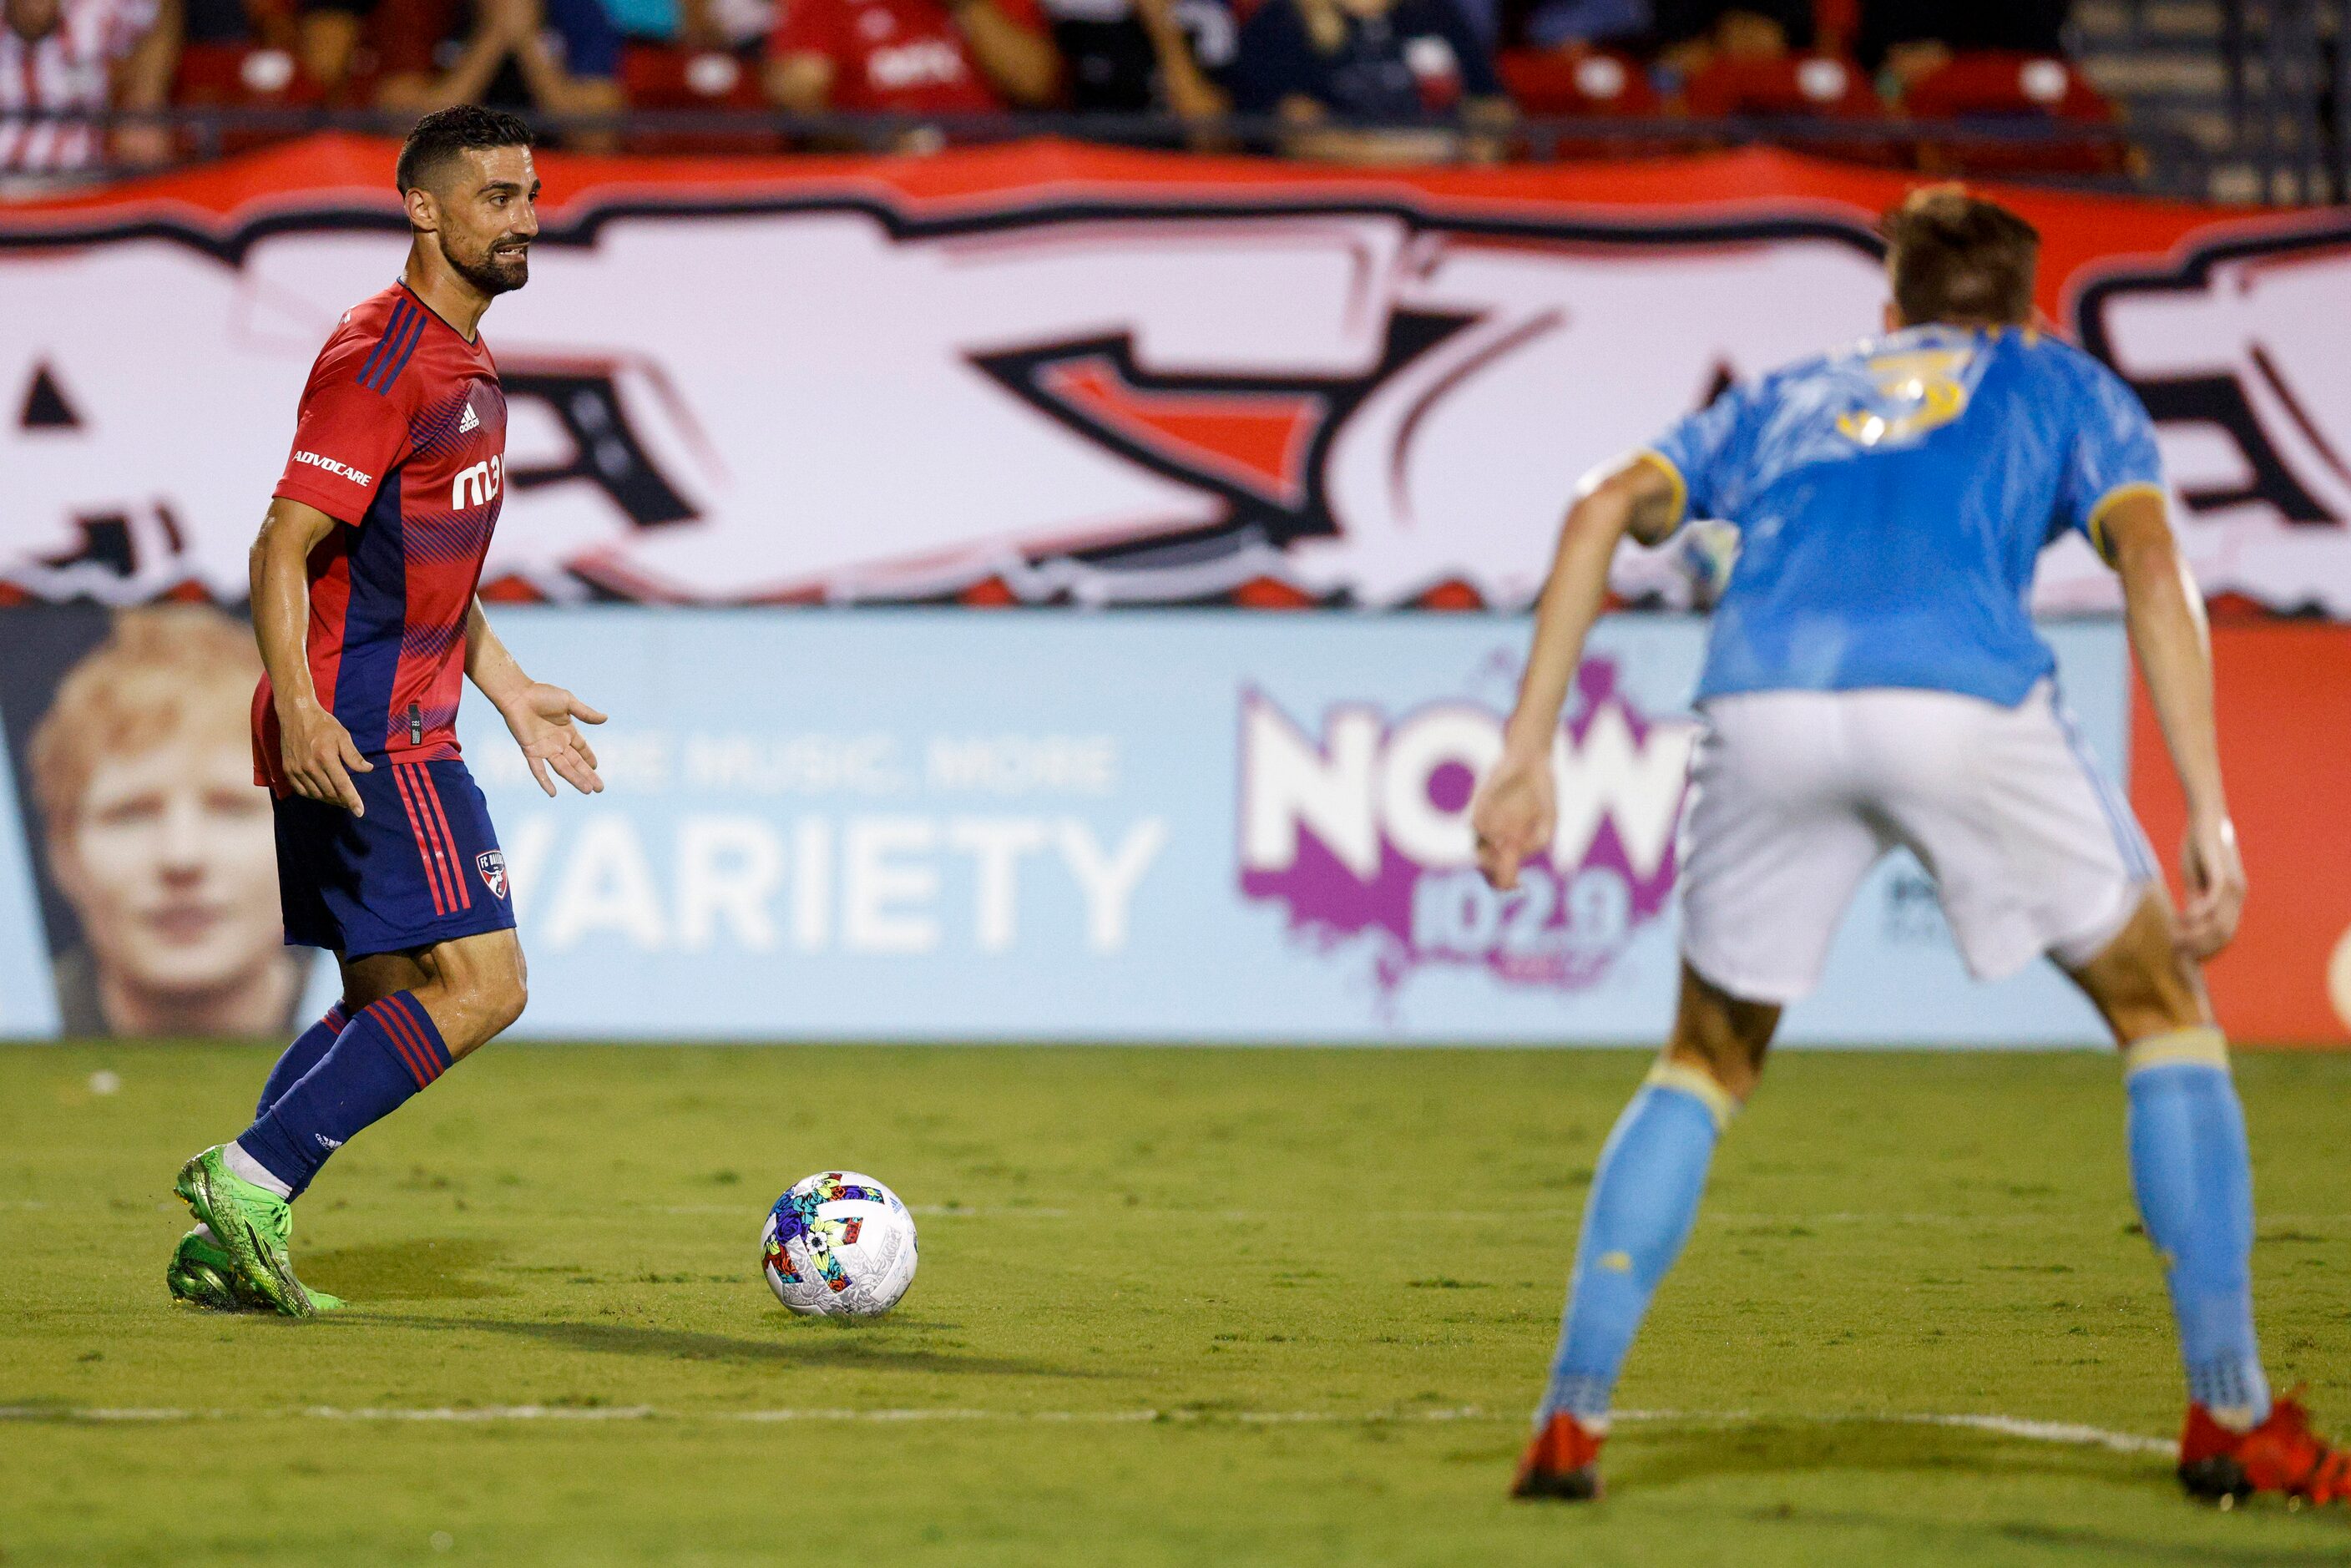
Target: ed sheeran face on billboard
(157,834)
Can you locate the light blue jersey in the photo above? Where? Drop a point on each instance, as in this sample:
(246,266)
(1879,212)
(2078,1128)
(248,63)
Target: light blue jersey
(1892,498)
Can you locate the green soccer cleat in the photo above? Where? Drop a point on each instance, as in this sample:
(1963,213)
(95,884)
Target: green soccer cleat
(199,1274)
(250,1225)
(202,1274)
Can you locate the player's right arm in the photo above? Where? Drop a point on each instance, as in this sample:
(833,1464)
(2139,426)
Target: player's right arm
(1515,808)
(2165,614)
(314,747)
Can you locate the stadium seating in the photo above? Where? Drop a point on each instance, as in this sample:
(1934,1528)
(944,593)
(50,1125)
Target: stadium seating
(241,75)
(658,77)
(1594,85)
(2004,88)
(1809,87)
(1798,87)
(1598,83)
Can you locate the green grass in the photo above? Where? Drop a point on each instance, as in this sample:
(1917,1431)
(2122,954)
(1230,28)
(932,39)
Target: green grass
(1131,1258)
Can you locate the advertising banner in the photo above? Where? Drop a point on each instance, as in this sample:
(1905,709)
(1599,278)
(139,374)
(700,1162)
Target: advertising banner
(1053,373)
(2284,699)
(138,867)
(936,825)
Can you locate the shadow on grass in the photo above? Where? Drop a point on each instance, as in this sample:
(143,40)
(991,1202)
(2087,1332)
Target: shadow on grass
(1668,1458)
(1657,1460)
(866,1347)
(425,1269)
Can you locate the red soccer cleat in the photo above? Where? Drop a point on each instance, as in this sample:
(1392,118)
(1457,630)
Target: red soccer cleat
(2282,1454)
(1562,1461)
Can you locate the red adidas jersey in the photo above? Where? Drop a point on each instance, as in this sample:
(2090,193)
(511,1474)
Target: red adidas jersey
(401,439)
(905,57)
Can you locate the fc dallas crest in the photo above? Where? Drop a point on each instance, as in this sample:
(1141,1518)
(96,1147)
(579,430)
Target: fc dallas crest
(492,865)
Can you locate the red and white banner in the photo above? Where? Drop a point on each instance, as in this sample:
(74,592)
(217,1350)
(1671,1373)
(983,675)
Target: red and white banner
(1051,371)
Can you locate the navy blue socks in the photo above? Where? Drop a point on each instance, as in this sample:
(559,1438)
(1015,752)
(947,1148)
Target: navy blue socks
(1645,1197)
(381,1058)
(301,1056)
(2193,1176)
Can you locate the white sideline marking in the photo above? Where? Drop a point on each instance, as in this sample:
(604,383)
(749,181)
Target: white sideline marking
(2067,1433)
(2063,1433)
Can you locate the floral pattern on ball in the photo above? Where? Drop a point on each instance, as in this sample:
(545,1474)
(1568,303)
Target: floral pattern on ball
(838,1244)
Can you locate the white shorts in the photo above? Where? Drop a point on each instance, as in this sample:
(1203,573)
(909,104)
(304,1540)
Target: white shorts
(1799,793)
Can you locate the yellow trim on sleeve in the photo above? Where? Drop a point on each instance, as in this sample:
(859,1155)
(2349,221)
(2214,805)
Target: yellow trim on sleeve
(2202,1043)
(2107,502)
(1664,466)
(1699,1083)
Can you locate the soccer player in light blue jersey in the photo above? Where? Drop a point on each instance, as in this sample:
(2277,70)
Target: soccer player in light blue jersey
(1873,679)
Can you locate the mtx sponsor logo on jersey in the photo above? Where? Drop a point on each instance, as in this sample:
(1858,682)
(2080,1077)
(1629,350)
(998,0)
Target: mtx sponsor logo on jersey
(1358,824)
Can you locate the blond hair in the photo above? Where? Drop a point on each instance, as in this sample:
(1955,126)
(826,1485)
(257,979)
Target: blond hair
(163,673)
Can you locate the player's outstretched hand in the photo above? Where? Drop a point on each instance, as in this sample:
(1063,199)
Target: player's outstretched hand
(540,717)
(2215,880)
(320,756)
(1513,815)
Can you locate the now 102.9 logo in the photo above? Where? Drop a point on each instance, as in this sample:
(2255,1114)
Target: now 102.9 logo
(1357,824)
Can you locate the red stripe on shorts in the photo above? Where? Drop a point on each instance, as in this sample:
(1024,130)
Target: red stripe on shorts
(427,850)
(456,870)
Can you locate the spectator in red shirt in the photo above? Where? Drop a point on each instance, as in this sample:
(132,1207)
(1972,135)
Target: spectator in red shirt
(911,57)
(562,55)
(83,57)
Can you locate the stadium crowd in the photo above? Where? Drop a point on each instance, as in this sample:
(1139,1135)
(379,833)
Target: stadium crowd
(1429,77)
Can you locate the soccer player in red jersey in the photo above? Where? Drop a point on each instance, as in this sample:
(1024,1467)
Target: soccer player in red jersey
(363,601)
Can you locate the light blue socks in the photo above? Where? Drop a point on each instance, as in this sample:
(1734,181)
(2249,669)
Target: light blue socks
(2193,1176)
(2190,1167)
(1645,1197)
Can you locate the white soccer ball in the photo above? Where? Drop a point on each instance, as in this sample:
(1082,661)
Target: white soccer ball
(839,1245)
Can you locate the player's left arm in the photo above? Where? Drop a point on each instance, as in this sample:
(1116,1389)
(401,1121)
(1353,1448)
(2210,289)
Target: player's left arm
(539,715)
(2113,490)
(1516,807)
(2164,612)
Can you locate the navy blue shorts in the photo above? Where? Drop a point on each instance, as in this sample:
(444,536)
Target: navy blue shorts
(422,866)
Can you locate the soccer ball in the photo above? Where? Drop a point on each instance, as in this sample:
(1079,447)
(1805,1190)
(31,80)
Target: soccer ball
(839,1245)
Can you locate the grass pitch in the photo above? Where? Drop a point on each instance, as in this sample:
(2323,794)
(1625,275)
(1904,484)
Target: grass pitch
(1209,1306)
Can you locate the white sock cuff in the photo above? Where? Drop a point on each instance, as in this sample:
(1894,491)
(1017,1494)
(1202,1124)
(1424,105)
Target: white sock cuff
(245,1166)
(2201,1043)
(1697,1083)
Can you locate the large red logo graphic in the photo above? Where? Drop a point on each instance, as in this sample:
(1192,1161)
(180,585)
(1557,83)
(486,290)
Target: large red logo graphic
(2241,350)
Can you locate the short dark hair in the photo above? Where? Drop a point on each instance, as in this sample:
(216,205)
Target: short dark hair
(445,133)
(1956,257)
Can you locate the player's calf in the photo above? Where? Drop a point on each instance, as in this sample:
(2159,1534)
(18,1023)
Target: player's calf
(473,988)
(1645,1198)
(2191,1173)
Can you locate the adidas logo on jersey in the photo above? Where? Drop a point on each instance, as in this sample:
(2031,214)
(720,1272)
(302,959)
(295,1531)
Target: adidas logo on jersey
(469,422)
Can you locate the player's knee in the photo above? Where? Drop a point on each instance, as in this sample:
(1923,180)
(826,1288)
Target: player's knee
(479,985)
(2139,982)
(1721,1035)
(500,995)
(1738,1072)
